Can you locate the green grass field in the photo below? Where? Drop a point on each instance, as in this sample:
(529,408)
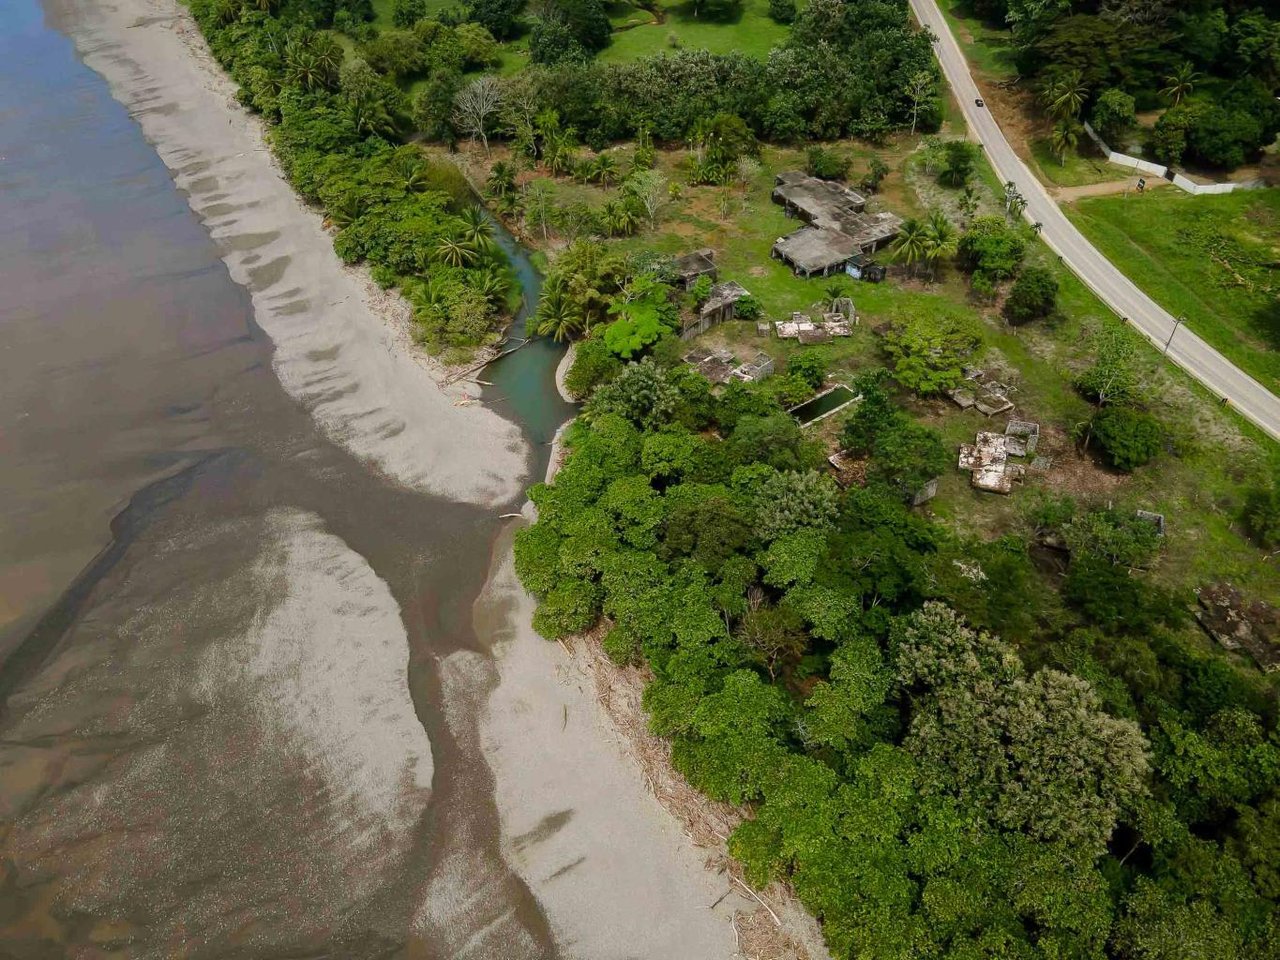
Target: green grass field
(1083,166)
(1206,258)
(753,33)
(987,47)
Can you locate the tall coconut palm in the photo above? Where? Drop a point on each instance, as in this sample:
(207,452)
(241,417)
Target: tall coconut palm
(502,179)
(1064,139)
(1181,83)
(910,246)
(370,117)
(940,241)
(618,218)
(1065,94)
(968,204)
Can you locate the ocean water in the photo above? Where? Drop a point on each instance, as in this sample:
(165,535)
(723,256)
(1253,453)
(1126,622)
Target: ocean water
(221,724)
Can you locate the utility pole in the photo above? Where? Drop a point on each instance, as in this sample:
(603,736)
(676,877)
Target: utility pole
(1179,320)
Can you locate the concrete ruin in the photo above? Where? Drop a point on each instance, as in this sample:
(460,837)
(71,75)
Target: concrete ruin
(719,306)
(720,366)
(840,233)
(688,267)
(808,331)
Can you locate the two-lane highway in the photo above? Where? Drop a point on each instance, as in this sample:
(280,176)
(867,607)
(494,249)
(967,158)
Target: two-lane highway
(1216,372)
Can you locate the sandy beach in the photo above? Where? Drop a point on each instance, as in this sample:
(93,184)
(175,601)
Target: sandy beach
(615,873)
(343,348)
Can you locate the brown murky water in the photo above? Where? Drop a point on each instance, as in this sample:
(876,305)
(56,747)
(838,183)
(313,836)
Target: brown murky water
(222,719)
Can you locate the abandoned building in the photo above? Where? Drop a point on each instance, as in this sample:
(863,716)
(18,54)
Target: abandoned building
(840,233)
(720,366)
(718,307)
(688,267)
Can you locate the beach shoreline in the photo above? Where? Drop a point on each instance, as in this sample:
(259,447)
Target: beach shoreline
(343,346)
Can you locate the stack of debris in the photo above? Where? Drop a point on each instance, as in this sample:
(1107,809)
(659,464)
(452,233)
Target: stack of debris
(1240,624)
(801,327)
(721,366)
(987,459)
(716,365)
(850,470)
(988,397)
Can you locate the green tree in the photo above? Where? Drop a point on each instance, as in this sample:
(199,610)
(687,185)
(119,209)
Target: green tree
(782,11)
(1033,297)
(641,393)
(929,353)
(1128,438)
(1114,115)
(959,159)
(810,366)
(405,13)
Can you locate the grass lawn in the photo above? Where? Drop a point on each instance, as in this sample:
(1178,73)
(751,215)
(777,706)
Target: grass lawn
(1206,258)
(1083,166)
(988,47)
(753,33)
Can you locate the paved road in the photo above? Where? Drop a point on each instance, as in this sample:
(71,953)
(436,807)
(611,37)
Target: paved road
(1187,350)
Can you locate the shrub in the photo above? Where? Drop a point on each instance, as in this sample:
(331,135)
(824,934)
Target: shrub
(593,364)
(1262,517)
(1128,438)
(405,13)
(782,11)
(810,366)
(827,164)
(1034,296)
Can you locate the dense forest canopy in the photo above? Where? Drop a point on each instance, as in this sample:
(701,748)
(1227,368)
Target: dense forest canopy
(946,753)
(1214,63)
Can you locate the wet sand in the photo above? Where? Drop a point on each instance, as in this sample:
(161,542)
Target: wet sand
(342,346)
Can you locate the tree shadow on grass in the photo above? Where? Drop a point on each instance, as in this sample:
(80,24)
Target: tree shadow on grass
(694,11)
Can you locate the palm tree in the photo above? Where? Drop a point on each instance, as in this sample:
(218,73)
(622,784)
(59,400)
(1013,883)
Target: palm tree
(939,241)
(604,169)
(304,69)
(556,317)
(910,245)
(1064,139)
(344,209)
(502,179)
(455,253)
(369,116)
(968,204)
(1180,83)
(619,218)
(493,285)
(476,228)
(834,291)
(1065,94)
